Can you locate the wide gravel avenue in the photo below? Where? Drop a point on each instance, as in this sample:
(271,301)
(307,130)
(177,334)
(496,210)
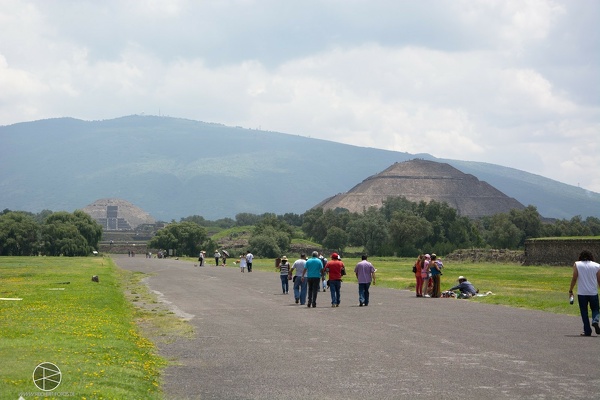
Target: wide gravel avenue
(252,342)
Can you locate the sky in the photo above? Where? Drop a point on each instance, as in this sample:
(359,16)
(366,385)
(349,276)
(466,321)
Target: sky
(509,82)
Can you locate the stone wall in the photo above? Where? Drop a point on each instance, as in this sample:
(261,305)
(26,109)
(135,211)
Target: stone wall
(559,251)
(486,255)
(123,248)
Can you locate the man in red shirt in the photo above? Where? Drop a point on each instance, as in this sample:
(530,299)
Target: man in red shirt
(334,268)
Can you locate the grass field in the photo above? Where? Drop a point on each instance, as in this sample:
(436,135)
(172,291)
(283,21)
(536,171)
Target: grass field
(533,287)
(87,329)
(91,331)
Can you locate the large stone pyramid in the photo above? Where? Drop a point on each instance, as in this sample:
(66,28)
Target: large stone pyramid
(420,180)
(117,214)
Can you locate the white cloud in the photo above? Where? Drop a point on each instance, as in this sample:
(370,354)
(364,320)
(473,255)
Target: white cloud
(475,80)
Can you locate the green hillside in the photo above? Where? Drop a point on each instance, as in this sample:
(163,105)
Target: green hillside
(174,168)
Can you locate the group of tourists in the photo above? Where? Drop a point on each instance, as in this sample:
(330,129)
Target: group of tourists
(246,261)
(428,270)
(221,259)
(307,276)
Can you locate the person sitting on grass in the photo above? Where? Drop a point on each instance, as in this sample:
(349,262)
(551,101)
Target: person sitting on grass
(467,290)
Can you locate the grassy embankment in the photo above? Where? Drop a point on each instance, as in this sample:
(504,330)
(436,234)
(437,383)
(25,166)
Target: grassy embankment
(87,329)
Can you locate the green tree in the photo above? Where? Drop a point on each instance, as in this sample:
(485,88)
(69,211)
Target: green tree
(369,230)
(271,221)
(225,223)
(271,237)
(394,204)
(88,228)
(292,219)
(18,234)
(313,226)
(60,236)
(503,234)
(463,233)
(184,237)
(408,230)
(593,224)
(265,246)
(336,239)
(527,220)
(198,219)
(244,219)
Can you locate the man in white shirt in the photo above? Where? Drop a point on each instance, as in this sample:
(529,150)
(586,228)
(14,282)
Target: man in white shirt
(299,283)
(586,273)
(249,258)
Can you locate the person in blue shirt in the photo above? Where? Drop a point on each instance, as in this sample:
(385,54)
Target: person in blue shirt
(312,273)
(435,267)
(467,290)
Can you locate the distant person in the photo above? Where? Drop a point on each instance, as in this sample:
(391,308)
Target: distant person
(284,272)
(299,283)
(417,270)
(201,259)
(312,273)
(334,269)
(467,290)
(436,273)
(365,273)
(586,273)
(217,257)
(323,273)
(224,258)
(249,258)
(243,263)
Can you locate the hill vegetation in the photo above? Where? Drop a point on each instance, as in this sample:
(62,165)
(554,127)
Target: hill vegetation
(173,168)
(400,227)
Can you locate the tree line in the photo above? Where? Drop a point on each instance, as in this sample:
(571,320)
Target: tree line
(48,233)
(400,227)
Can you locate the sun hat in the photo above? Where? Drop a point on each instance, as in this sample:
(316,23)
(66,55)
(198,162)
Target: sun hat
(284,258)
(460,278)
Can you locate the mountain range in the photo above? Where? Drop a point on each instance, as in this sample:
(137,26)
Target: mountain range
(173,168)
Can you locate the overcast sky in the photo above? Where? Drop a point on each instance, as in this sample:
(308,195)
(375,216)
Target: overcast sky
(510,82)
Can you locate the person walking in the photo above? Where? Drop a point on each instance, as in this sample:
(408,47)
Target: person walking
(201,258)
(249,258)
(224,258)
(217,256)
(299,283)
(417,269)
(334,269)
(243,263)
(586,273)
(323,272)
(284,271)
(365,273)
(312,273)
(436,273)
